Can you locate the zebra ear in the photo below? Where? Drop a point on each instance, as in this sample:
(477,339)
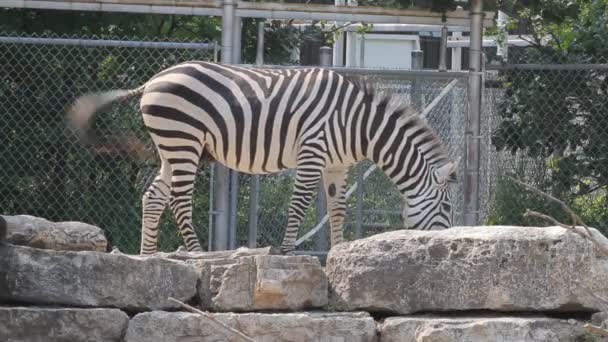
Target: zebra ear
(447,173)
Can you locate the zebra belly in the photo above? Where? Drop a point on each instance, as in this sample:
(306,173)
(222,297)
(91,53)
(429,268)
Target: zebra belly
(259,162)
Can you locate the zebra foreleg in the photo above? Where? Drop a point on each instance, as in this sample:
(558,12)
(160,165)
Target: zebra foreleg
(154,202)
(306,182)
(182,187)
(334,181)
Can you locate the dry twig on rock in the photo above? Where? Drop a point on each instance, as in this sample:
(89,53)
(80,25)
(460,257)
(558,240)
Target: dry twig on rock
(213,319)
(595,330)
(576,220)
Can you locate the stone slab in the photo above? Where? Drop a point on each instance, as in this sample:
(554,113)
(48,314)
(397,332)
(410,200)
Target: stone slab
(89,279)
(37,232)
(262,327)
(468,268)
(42,324)
(480,329)
(262,282)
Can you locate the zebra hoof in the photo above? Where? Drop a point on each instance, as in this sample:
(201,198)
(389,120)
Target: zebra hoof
(288,251)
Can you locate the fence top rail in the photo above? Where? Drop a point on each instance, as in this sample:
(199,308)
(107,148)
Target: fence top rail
(105,43)
(259,10)
(558,67)
(393,73)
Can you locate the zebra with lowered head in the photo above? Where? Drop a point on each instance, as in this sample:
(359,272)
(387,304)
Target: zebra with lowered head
(261,121)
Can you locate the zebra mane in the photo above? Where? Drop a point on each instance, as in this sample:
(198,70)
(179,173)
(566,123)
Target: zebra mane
(405,111)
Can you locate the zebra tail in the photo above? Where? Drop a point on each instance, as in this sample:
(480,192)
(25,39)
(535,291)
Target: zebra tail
(81,113)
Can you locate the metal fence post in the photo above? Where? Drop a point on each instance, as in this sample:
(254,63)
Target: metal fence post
(443,49)
(325,58)
(320,242)
(338,53)
(254,187)
(417,64)
(359,213)
(221,174)
(502,46)
(471,171)
(456,53)
(259,53)
(234,175)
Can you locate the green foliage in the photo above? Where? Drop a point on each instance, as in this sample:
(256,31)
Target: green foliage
(46,172)
(560,116)
(279,40)
(586,337)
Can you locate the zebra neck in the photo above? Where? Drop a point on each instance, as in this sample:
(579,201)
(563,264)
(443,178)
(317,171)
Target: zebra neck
(399,148)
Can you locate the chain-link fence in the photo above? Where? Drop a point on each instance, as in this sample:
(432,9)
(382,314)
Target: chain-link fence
(375,207)
(546,122)
(45,170)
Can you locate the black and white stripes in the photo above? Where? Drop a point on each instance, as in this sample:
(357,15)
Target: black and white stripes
(265,120)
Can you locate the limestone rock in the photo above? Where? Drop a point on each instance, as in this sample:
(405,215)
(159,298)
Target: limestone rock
(36,232)
(39,324)
(262,282)
(229,254)
(262,327)
(478,329)
(42,276)
(468,268)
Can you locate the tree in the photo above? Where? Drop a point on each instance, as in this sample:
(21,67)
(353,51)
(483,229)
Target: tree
(559,116)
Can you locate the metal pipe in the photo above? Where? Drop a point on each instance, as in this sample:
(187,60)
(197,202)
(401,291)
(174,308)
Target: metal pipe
(351,52)
(259,53)
(222,174)
(361,51)
(418,60)
(557,67)
(234,175)
(257,10)
(489,41)
(228,20)
(124,6)
(106,43)
(254,187)
(408,28)
(338,53)
(443,50)
(387,73)
(502,47)
(359,212)
(210,229)
(236,40)
(233,208)
(320,242)
(472,134)
(417,64)
(325,60)
(456,53)
(325,57)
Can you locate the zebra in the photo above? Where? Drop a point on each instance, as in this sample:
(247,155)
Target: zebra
(264,120)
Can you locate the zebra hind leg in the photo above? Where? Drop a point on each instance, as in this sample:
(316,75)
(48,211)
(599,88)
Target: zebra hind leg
(154,202)
(334,181)
(304,187)
(182,187)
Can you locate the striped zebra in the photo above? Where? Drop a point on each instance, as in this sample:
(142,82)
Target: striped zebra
(260,121)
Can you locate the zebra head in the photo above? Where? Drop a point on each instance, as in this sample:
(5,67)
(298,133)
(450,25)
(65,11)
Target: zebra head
(427,204)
